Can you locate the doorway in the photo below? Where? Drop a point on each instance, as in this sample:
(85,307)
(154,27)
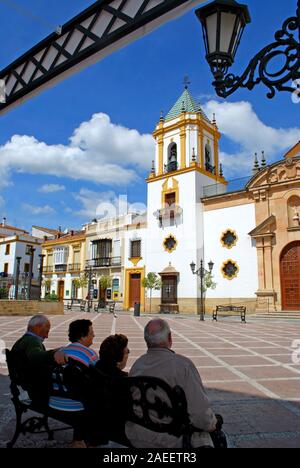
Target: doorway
(134,289)
(169,290)
(61,290)
(290,277)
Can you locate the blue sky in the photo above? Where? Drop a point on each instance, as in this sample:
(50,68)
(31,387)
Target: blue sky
(102,118)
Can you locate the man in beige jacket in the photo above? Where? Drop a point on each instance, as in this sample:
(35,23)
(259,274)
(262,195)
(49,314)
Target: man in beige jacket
(160,361)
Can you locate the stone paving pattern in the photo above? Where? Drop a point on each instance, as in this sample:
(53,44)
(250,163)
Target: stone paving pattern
(247,370)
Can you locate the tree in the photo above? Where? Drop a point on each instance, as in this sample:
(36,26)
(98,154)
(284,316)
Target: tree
(47,283)
(150,282)
(80,282)
(208,282)
(105,283)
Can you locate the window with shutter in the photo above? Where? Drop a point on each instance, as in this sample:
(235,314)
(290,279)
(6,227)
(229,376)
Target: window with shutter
(135,248)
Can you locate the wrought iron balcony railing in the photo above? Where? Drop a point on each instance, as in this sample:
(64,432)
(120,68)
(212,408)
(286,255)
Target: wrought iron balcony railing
(60,268)
(168,214)
(104,262)
(74,267)
(48,269)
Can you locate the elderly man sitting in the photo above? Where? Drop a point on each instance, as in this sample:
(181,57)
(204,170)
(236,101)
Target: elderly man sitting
(34,359)
(160,361)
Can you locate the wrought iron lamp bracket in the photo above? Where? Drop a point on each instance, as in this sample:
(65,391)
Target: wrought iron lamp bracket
(286,45)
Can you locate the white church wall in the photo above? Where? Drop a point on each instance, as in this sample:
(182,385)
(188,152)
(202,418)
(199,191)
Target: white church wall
(187,232)
(241,219)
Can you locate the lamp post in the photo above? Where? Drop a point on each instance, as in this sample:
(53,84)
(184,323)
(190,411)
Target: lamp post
(89,274)
(223,23)
(201,272)
(31,253)
(17,278)
(42,256)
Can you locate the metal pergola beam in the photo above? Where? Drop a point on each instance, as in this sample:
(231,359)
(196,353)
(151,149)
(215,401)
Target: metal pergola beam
(104,27)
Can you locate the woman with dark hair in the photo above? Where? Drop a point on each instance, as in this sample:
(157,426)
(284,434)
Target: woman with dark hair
(81,335)
(108,370)
(114,355)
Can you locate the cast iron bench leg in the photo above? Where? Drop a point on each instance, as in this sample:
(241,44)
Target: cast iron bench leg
(18,428)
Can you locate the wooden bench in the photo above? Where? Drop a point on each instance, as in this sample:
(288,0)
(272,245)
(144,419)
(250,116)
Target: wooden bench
(241,310)
(169,404)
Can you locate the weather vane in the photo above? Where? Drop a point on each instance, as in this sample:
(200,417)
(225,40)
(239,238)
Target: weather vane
(186,81)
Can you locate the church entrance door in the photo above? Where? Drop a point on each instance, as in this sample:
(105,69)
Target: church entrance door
(290,276)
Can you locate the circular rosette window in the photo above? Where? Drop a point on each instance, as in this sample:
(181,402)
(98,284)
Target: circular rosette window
(170,244)
(229,239)
(230,269)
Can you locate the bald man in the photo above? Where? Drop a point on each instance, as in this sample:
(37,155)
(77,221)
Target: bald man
(160,361)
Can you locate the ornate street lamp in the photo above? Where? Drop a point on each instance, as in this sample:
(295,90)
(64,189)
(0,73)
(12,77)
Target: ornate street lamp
(201,272)
(42,256)
(31,253)
(223,23)
(17,278)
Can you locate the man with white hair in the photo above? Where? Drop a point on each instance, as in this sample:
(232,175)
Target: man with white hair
(34,358)
(160,361)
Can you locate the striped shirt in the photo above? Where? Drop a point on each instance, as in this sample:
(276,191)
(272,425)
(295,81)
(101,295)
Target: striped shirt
(86,356)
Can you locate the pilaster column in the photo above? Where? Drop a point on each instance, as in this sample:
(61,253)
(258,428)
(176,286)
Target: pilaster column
(183,148)
(160,143)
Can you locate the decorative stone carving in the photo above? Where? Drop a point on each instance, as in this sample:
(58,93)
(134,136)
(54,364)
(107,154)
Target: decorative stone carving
(288,170)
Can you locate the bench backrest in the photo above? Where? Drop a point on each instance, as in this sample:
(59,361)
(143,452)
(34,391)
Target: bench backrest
(16,372)
(149,401)
(157,406)
(230,308)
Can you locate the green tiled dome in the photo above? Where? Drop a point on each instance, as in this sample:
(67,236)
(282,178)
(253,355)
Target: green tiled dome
(189,104)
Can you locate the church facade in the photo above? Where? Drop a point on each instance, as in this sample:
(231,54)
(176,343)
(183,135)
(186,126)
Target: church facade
(252,235)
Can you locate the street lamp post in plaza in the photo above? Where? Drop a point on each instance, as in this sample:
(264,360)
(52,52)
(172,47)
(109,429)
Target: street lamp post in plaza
(42,256)
(17,278)
(31,253)
(201,272)
(89,275)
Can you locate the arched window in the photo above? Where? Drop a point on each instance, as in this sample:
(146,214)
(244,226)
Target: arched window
(172,158)
(294,211)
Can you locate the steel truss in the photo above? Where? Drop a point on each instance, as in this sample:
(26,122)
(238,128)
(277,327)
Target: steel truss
(104,27)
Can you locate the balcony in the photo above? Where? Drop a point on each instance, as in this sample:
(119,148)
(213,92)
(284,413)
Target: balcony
(104,262)
(48,269)
(60,268)
(74,267)
(169,216)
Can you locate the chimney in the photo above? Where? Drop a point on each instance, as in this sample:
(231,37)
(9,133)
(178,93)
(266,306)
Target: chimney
(4,222)
(72,233)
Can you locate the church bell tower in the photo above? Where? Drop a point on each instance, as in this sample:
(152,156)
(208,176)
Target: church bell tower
(186,161)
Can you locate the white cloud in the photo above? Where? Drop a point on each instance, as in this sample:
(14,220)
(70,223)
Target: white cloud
(50,188)
(98,151)
(96,204)
(241,125)
(38,210)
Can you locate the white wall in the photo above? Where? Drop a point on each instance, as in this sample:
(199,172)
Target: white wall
(241,219)
(189,233)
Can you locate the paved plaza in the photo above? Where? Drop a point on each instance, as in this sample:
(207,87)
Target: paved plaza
(248,371)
